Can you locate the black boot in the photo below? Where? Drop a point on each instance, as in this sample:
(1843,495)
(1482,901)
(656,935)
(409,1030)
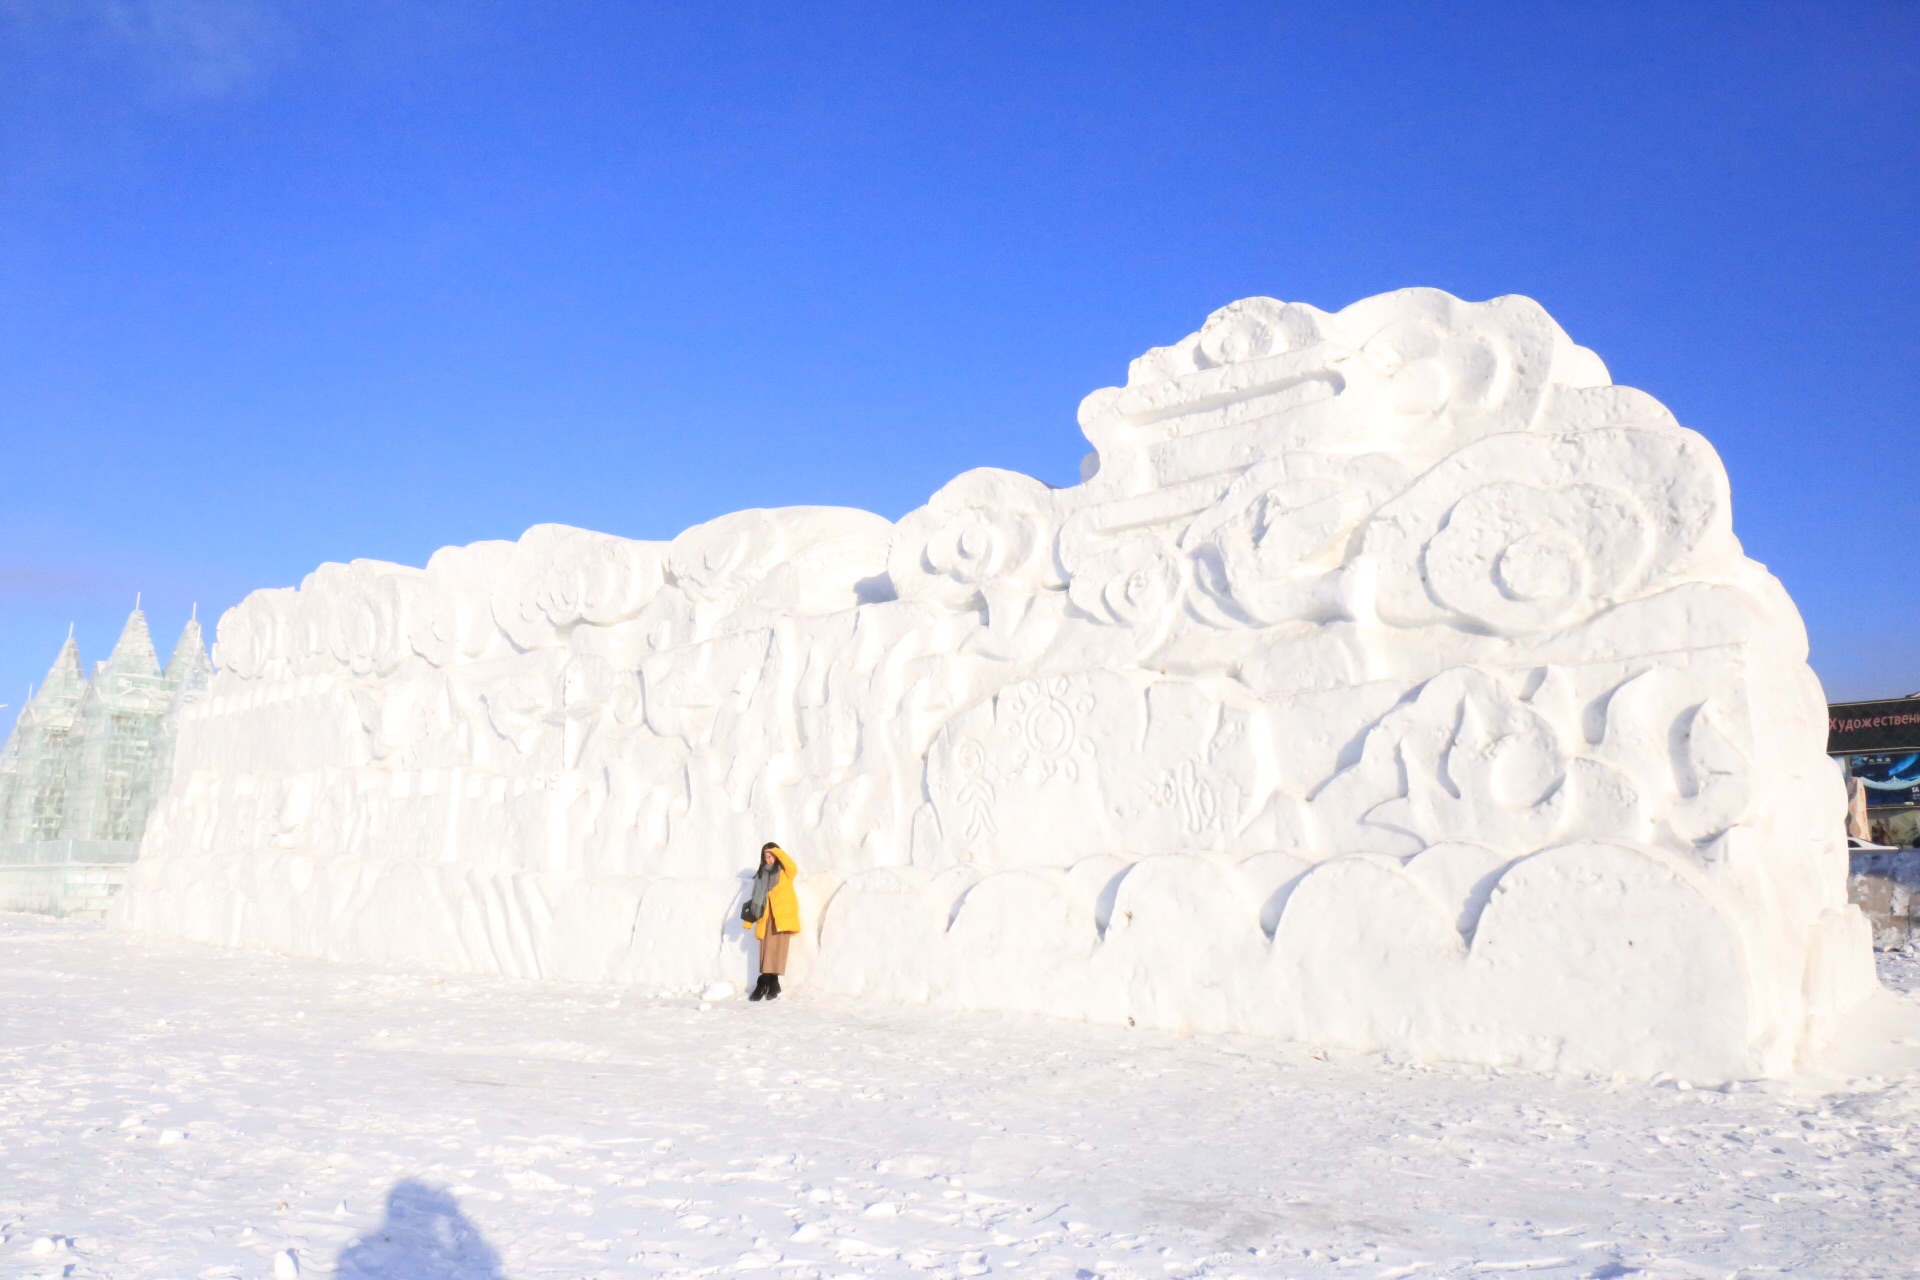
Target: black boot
(773,986)
(760,988)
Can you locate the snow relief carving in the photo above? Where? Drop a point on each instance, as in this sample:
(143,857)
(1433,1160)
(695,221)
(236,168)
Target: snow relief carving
(1392,680)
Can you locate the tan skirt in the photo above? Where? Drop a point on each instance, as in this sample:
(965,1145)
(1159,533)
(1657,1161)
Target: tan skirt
(773,952)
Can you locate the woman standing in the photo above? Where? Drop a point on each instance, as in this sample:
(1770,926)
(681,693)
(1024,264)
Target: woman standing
(772,911)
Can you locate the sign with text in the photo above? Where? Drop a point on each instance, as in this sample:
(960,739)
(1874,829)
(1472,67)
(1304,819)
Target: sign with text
(1893,725)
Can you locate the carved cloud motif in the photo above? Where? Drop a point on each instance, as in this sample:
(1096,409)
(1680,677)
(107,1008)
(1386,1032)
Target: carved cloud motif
(987,529)
(1524,534)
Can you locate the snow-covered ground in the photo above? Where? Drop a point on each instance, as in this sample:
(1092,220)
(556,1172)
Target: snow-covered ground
(175,1111)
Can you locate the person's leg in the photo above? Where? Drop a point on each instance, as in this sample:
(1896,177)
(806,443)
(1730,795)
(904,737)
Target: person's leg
(773,960)
(760,986)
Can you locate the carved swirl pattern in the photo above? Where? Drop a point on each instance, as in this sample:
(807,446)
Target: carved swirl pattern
(985,529)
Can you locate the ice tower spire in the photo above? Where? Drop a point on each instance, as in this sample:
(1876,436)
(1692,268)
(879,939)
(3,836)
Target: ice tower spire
(111,778)
(189,669)
(64,676)
(133,653)
(33,763)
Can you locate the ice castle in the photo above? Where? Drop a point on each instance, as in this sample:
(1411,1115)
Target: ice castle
(87,760)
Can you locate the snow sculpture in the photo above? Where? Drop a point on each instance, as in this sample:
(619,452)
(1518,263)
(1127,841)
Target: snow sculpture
(1392,680)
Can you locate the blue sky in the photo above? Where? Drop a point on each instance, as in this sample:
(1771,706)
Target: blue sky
(289,282)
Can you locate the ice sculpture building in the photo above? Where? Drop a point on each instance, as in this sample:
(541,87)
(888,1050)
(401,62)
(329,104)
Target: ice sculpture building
(1391,680)
(86,762)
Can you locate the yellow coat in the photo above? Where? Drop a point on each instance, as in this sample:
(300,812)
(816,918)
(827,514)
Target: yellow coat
(783,905)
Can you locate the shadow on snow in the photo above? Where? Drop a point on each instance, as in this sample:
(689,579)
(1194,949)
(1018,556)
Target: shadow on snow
(423,1237)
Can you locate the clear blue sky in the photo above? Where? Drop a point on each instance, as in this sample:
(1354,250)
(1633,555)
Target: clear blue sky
(289,282)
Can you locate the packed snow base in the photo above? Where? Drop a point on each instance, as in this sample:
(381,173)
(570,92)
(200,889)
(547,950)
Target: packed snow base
(176,1111)
(1392,680)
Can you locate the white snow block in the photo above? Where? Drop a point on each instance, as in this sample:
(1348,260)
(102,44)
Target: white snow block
(1392,680)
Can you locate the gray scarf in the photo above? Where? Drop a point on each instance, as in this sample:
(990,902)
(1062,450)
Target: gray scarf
(763,881)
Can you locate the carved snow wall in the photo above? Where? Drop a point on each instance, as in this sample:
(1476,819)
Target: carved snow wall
(1392,680)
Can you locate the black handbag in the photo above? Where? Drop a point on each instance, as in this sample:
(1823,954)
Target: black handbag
(746,913)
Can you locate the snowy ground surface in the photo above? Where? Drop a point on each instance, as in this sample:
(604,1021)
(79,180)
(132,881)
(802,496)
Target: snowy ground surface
(174,1111)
